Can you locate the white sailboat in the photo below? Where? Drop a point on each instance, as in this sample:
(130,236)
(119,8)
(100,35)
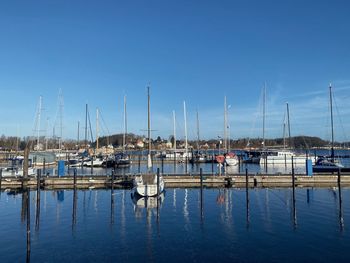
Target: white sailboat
(230,158)
(324,164)
(149,184)
(122,159)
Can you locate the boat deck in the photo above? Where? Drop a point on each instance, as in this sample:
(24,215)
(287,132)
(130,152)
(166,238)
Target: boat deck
(148,178)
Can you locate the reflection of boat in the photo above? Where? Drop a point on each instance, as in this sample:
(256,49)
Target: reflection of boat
(147,202)
(149,184)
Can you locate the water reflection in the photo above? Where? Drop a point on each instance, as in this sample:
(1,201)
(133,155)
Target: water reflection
(265,212)
(147,204)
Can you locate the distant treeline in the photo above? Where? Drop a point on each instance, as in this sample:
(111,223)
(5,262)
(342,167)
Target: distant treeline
(299,142)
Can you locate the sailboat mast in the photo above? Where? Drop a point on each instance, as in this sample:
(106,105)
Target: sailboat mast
(39,117)
(225,124)
(78,135)
(185,118)
(149,160)
(332,129)
(174,120)
(264,114)
(197,131)
(125,127)
(289,137)
(97,129)
(86,120)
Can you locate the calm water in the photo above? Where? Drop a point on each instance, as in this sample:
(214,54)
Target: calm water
(105,227)
(181,168)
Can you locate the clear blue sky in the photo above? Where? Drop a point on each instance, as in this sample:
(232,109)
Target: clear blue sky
(197,51)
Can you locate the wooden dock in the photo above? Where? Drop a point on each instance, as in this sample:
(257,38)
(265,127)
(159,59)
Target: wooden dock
(178,181)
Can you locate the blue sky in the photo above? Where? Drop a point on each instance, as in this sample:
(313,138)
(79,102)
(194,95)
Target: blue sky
(197,51)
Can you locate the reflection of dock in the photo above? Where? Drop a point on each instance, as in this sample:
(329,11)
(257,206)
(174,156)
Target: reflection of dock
(209,180)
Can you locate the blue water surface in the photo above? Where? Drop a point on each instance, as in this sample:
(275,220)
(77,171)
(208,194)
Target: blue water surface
(110,226)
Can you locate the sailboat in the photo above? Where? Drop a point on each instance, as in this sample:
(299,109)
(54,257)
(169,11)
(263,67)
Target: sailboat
(324,164)
(230,158)
(284,156)
(122,159)
(149,184)
(197,156)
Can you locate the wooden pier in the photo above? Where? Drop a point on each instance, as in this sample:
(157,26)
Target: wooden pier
(178,181)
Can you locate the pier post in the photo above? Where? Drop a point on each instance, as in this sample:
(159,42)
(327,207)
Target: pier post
(157,185)
(186,165)
(37,214)
(112,180)
(239,164)
(28,224)
(201,191)
(0,177)
(247,195)
(44,166)
(212,164)
(38,177)
(293,197)
(139,164)
(341,219)
(92,166)
(162,164)
(112,197)
(75,177)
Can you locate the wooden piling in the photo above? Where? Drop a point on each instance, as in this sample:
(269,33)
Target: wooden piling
(37,214)
(75,177)
(162,164)
(247,195)
(28,224)
(201,191)
(158,184)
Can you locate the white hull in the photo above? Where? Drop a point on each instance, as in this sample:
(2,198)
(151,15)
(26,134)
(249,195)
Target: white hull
(18,172)
(148,186)
(283,160)
(95,163)
(231,161)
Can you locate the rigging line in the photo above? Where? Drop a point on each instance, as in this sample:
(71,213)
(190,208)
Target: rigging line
(104,123)
(257,114)
(88,114)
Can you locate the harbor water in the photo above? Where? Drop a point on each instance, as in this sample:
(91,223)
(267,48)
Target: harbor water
(185,225)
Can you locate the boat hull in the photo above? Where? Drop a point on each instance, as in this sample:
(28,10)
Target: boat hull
(146,185)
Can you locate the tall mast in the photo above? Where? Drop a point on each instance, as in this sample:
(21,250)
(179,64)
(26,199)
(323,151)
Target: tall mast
(97,128)
(86,124)
(197,131)
(149,160)
(61,118)
(38,127)
(174,120)
(332,129)
(289,137)
(185,119)
(225,124)
(125,125)
(264,114)
(284,131)
(78,134)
